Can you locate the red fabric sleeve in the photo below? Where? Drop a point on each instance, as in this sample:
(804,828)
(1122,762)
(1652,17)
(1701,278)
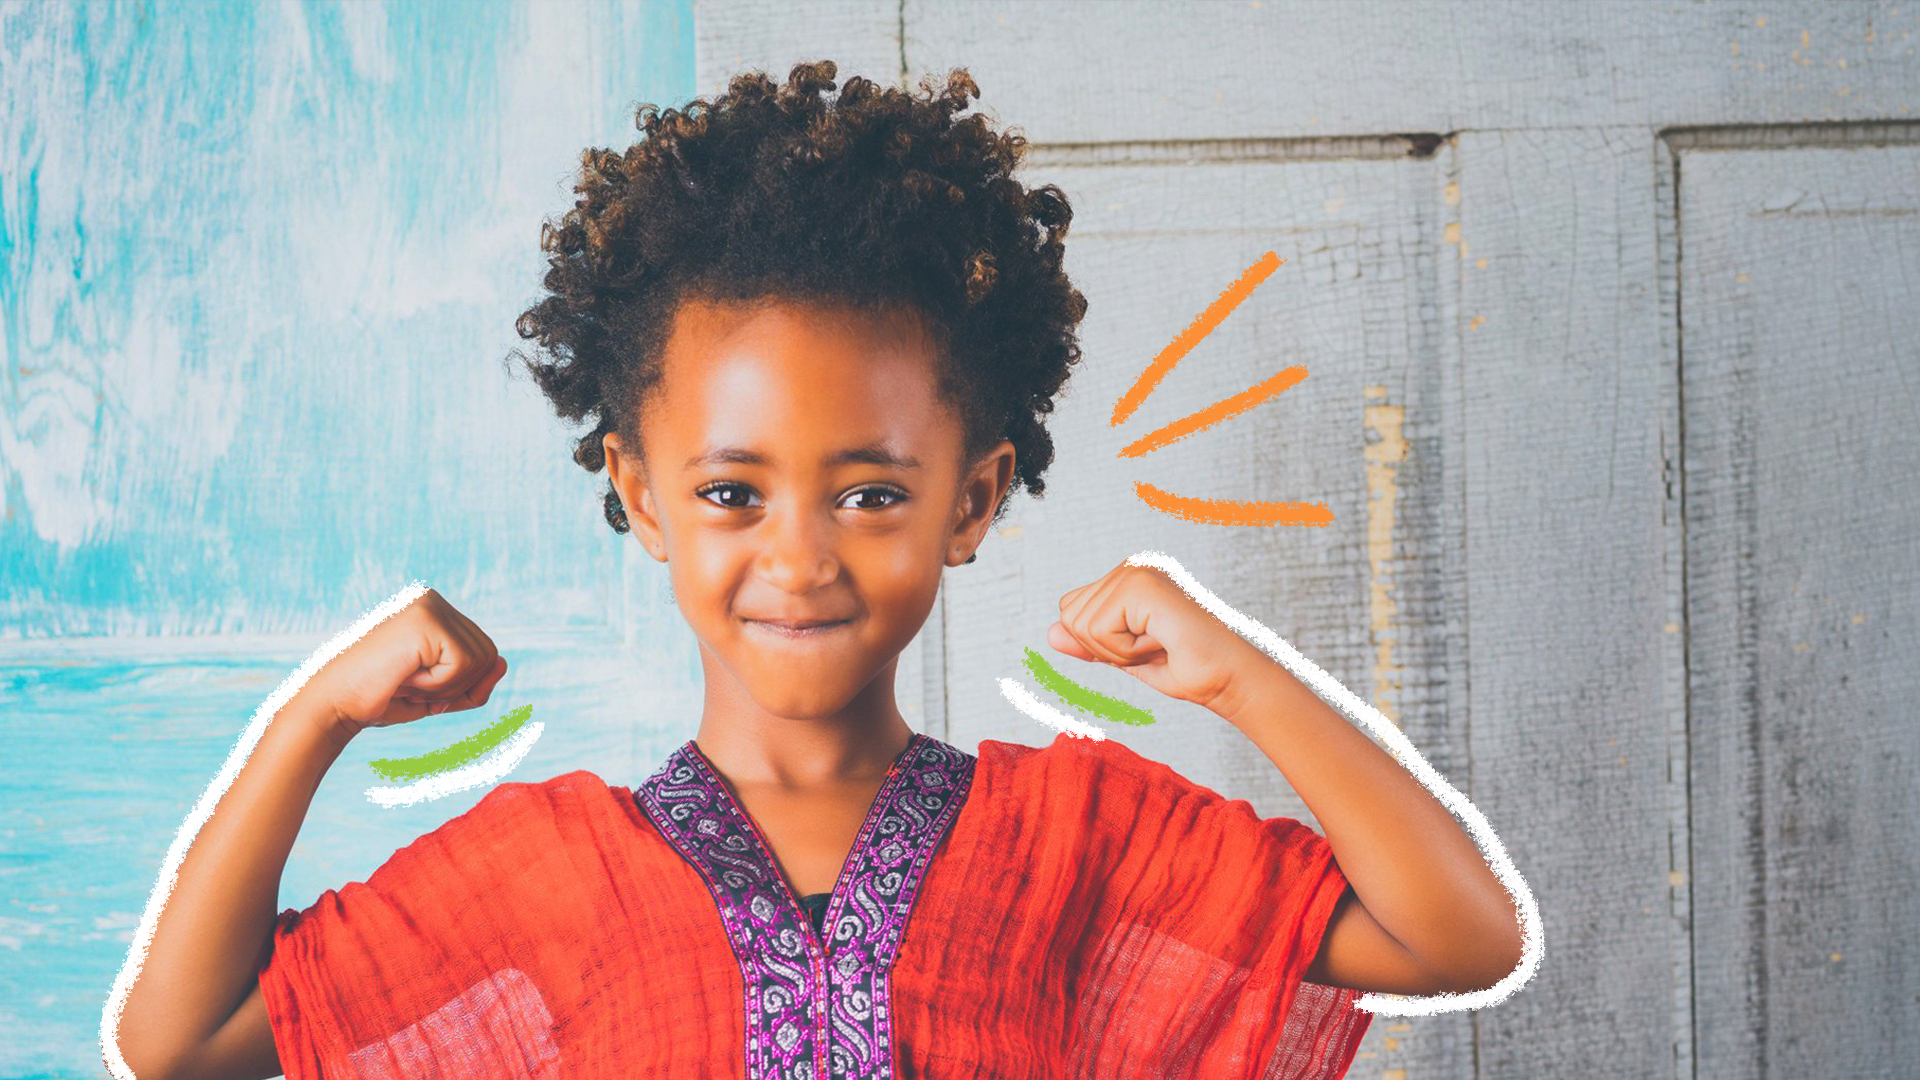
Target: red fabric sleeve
(1209,916)
(451,960)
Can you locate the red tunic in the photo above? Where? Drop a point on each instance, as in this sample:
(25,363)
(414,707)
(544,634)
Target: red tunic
(1074,910)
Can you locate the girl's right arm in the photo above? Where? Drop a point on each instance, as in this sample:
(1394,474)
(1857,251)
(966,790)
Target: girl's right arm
(213,933)
(195,1011)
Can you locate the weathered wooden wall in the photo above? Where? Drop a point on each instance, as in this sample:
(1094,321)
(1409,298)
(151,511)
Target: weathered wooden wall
(1610,314)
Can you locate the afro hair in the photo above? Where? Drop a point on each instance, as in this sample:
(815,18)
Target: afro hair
(872,199)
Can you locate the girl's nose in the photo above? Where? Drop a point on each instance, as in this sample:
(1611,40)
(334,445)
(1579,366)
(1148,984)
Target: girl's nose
(799,556)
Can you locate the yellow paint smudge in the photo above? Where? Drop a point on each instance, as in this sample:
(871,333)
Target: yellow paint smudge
(1858,619)
(1676,878)
(1806,39)
(1481,262)
(1761,22)
(1452,233)
(1835,957)
(1383,455)
(1451,193)
(1802,646)
(1741,278)
(1477,320)
(1464,247)
(1671,627)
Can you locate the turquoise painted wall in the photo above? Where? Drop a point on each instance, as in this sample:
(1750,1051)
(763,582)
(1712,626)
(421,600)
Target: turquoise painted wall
(258,271)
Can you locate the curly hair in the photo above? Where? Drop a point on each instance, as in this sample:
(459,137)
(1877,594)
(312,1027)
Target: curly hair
(870,200)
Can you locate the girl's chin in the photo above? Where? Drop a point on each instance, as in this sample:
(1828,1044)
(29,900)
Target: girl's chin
(779,700)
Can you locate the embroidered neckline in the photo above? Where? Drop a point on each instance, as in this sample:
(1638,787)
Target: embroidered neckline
(804,995)
(711,777)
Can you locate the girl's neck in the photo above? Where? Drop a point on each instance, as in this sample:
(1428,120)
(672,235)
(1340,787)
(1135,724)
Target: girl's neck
(778,752)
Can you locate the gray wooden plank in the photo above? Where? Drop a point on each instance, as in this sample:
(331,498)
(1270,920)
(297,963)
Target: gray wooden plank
(1564,384)
(862,37)
(1113,70)
(1800,284)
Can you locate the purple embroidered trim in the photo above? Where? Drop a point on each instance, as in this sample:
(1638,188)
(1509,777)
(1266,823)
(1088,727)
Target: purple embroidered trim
(804,995)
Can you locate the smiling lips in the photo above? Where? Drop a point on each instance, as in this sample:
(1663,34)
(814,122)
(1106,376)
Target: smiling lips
(798,630)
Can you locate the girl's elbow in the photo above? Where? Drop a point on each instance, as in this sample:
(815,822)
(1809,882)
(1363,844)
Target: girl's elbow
(1501,962)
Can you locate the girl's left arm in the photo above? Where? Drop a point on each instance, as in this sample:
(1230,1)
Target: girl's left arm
(1430,915)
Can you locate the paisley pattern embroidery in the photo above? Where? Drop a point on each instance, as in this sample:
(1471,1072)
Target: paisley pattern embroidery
(811,1002)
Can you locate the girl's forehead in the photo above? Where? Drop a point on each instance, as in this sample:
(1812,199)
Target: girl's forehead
(791,379)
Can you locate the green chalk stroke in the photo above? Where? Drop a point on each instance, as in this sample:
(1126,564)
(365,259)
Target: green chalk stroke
(1087,701)
(449,757)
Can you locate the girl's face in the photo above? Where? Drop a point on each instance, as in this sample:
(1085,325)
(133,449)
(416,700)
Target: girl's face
(800,467)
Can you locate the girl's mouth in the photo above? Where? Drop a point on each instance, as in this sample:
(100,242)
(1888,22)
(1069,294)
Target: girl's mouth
(806,633)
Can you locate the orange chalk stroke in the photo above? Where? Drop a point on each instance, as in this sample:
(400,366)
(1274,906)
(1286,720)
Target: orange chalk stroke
(1233,512)
(1214,413)
(1193,335)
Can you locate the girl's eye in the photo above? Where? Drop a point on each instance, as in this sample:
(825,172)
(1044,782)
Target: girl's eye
(895,494)
(702,493)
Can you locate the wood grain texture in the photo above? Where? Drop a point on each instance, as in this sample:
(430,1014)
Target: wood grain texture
(1114,71)
(1564,381)
(1800,285)
(861,37)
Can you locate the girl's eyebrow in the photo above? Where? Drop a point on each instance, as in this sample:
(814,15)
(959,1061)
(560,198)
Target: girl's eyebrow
(870,454)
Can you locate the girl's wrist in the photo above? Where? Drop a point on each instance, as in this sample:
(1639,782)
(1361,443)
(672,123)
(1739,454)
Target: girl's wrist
(311,712)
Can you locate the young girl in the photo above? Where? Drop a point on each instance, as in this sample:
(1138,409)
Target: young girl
(818,338)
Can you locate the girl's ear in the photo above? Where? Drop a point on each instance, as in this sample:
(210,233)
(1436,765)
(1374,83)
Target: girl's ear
(629,480)
(980,493)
